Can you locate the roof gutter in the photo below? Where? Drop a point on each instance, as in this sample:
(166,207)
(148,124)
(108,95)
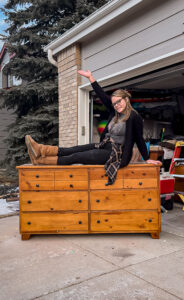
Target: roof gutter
(51,59)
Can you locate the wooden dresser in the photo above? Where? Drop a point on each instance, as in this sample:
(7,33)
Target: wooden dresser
(75,200)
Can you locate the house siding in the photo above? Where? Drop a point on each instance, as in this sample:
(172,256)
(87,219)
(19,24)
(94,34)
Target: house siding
(154,30)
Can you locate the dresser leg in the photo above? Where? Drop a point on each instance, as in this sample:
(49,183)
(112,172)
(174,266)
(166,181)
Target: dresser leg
(25,236)
(155,235)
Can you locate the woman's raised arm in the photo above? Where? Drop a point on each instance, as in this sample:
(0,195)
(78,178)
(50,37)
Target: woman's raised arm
(106,99)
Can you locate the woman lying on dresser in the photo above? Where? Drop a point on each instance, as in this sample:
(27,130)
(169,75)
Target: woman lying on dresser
(123,129)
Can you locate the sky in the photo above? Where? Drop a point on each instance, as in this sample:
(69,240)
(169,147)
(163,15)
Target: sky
(3,25)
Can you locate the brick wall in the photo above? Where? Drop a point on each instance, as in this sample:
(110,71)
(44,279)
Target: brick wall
(69,61)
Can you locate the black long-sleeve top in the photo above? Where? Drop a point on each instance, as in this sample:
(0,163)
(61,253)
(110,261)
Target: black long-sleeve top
(134,128)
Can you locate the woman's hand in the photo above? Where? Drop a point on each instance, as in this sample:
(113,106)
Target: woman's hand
(87,74)
(155,162)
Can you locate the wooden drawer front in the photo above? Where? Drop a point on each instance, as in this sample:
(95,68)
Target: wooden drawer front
(37,175)
(44,201)
(140,183)
(179,170)
(141,172)
(72,174)
(100,184)
(71,185)
(36,185)
(99,174)
(179,184)
(98,179)
(116,200)
(54,222)
(124,221)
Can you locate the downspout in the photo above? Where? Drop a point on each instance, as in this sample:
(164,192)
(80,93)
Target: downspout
(51,59)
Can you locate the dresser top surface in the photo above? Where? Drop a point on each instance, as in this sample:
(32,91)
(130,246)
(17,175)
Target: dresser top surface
(30,166)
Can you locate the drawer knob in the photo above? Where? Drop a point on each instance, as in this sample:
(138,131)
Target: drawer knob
(149,199)
(71,175)
(37,176)
(71,185)
(97,200)
(140,183)
(37,185)
(150,220)
(80,222)
(29,201)
(80,201)
(98,221)
(29,223)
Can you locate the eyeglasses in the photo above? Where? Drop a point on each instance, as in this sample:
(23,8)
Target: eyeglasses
(117,102)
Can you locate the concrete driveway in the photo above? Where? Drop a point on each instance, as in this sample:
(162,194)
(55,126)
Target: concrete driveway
(105,266)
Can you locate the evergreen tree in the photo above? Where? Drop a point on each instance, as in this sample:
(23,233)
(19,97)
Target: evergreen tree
(32,25)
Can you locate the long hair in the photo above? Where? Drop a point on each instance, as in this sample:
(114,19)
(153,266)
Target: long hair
(128,108)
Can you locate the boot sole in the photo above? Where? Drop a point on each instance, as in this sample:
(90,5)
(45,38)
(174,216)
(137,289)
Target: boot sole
(31,157)
(30,147)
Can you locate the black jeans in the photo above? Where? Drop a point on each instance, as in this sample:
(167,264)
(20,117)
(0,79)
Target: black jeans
(84,154)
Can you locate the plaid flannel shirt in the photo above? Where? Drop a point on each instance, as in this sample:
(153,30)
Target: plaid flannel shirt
(113,163)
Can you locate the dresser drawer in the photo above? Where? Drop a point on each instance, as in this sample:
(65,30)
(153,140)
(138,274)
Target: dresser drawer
(71,174)
(44,201)
(98,179)
(124,221)
(122,199)
(100,184)
(133,172)
(99,174)
(31,185)
(44,222)
(140,183)
(71,185)
(29,175)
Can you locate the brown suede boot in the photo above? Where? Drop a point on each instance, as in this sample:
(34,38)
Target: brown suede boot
(48,160)
(40,149)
